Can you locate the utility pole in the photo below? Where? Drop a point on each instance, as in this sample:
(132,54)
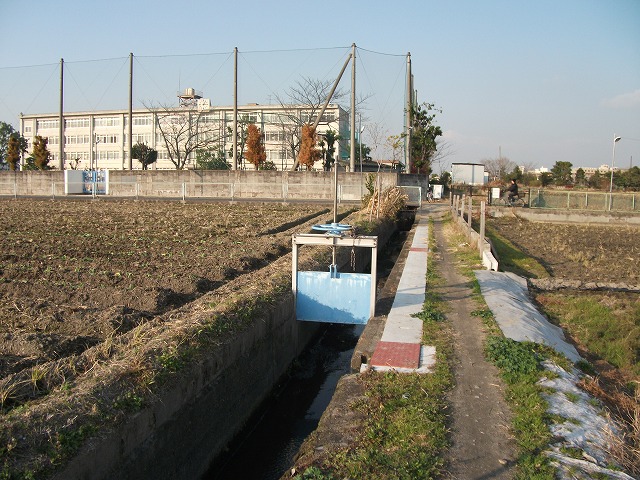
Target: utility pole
(408,116)
(61,118)
(234,163)
(352,156)
(130,110)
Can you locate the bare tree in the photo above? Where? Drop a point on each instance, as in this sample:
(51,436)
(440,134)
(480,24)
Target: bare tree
(498,167)
(302,105)
(184,131)
(378,136)
(395,145)
(242,136)
(439,159)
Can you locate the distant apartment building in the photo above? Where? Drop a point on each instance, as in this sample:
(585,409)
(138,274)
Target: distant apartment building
(588,171)
(99,140)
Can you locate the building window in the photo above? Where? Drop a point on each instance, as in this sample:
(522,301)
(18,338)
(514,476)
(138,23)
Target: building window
(76,156)
(76,123)
(247,117)
(209,118)
(277,136)
(108,155)
(274,118)
(77,139)
(309,117)
(107,138)
(53,140)
(28,128)
(328,117)
(106,121)
(42,124)
(139,138)
(140,120)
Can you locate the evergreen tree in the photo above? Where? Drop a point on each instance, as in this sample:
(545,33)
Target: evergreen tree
(7,132)
(424,134)
(13,152)
(546,178)
(41,155)
(211,159)
(596,180)
(561,173)
(516,174)
(144,154)
(331,138)
(631,178)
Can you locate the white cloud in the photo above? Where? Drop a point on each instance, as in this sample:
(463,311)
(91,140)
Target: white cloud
(625,100)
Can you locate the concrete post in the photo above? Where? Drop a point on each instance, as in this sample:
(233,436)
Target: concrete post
(482,227)
(352,118)
(130,126)
(469,214)
(234,156)
(61,118)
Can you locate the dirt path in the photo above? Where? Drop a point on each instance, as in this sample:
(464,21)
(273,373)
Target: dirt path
(482,447)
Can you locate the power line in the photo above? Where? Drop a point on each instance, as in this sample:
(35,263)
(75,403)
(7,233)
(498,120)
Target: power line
(382,53)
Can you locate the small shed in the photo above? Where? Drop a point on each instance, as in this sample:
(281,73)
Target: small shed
(468,173)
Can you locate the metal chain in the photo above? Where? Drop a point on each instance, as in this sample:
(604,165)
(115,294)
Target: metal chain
(353,259)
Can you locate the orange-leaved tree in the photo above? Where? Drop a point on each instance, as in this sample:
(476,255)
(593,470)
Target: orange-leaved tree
(309,153)
(256,153)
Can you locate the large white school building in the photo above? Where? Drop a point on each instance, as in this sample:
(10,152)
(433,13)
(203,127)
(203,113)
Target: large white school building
(99,140)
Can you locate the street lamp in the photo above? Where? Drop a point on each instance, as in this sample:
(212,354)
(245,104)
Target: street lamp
(613,160)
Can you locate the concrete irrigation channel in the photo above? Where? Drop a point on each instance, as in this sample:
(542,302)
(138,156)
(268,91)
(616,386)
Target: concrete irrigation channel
(197,417)
(266,448)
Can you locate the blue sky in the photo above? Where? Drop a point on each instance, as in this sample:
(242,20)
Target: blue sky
(539,81)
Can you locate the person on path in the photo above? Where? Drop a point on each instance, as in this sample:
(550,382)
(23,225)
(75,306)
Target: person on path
(512,191)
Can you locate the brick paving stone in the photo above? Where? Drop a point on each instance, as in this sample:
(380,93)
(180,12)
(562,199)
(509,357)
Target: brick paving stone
(397,355)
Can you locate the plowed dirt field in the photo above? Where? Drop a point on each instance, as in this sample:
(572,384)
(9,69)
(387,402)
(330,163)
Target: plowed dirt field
(73,273)
(590,253)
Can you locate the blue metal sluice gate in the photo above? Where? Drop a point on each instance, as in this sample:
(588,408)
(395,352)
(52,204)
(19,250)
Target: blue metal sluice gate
(334,297)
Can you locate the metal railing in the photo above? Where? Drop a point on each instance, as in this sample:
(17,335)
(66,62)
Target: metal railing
(589,201)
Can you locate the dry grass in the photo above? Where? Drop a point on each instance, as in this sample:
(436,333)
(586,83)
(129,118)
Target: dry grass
(624,444)
(386,203)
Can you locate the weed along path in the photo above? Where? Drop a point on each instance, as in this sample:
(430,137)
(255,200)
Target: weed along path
(481,444)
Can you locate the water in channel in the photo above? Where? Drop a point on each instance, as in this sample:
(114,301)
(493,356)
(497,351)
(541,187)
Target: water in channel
(293,411)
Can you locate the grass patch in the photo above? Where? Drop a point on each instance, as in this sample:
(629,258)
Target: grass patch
(405,434)
(519,364)
(607,324)
(512,259)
